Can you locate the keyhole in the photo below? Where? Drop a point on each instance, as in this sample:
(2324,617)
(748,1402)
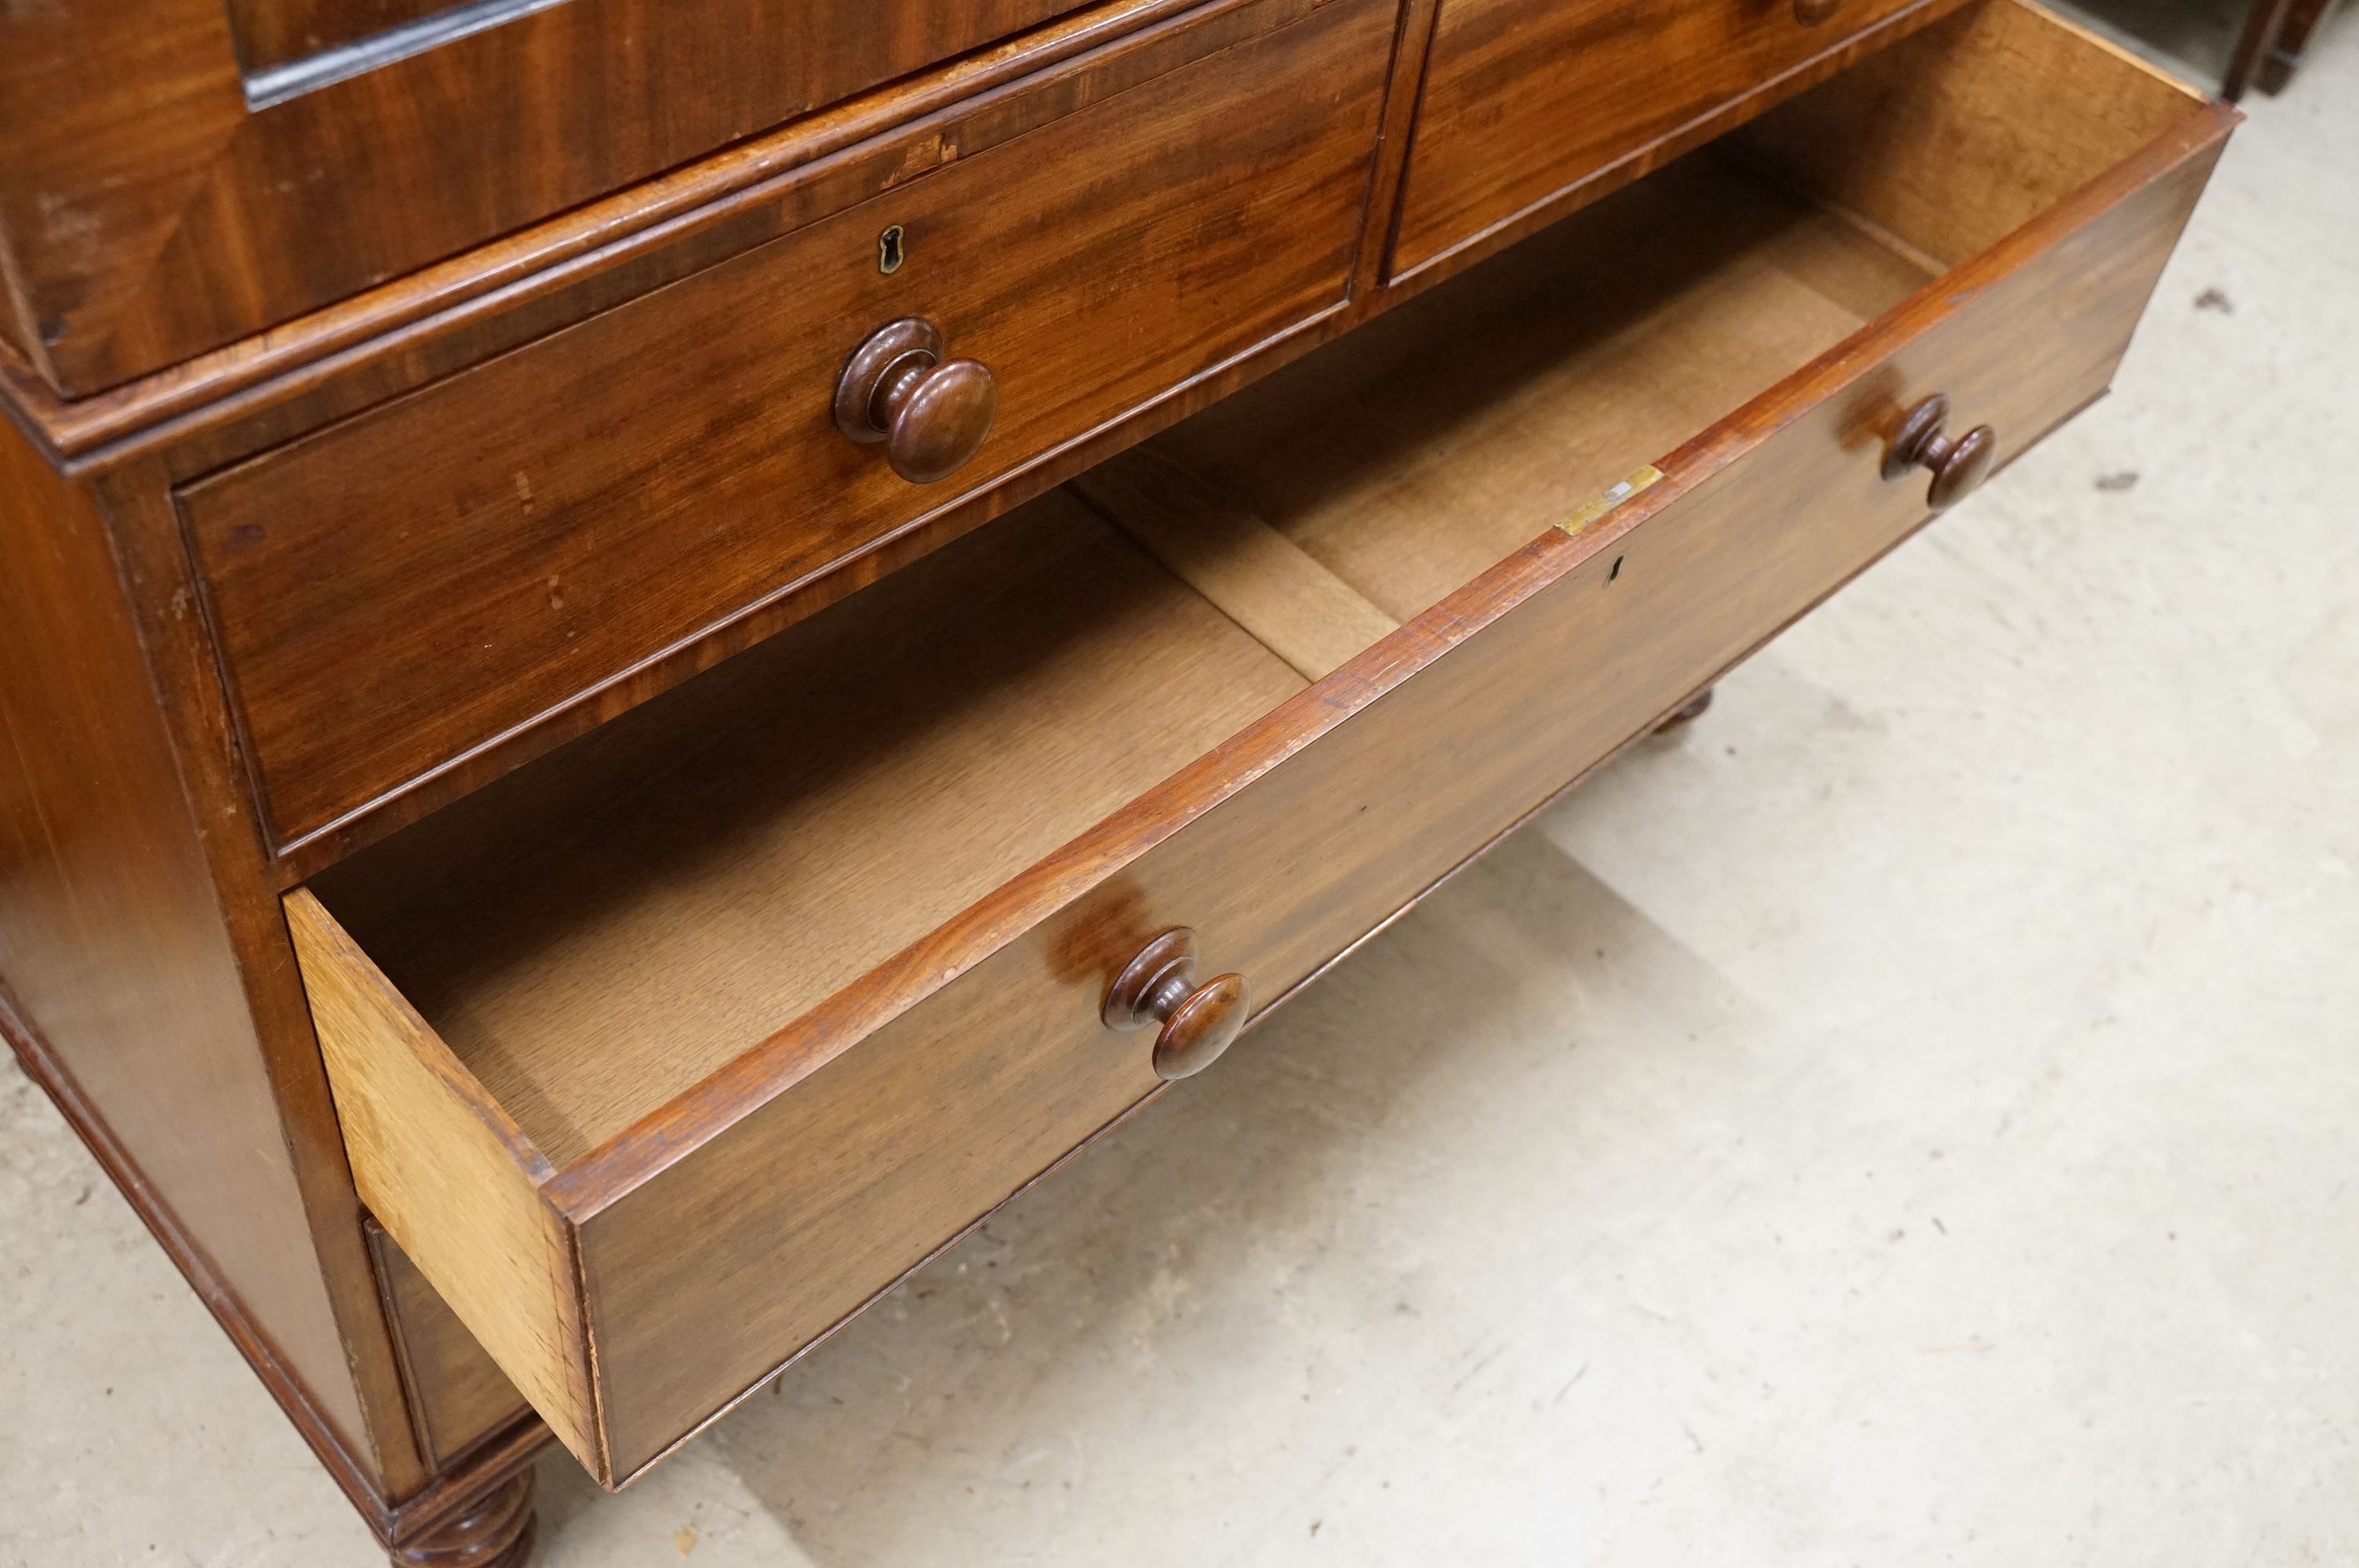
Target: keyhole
(890,253)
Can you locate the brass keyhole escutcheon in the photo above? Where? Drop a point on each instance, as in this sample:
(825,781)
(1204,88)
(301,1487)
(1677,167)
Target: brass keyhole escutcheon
(892,250)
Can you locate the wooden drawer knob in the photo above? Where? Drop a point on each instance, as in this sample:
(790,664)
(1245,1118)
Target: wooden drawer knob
(931,413)
(1160,987)
(1958,464)
(1813,12)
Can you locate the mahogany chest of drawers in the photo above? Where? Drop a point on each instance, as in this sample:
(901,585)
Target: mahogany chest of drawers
(654,650)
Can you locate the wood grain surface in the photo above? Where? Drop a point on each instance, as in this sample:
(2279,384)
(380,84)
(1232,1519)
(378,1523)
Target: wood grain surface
(150,212)
(595,936)
(1259,579)
(1898,156)
(447,1174)
(120,984)
(1699,286)
(266,388)
(748,1212)
(1526,99)
(277,32)
(1296,837)
(503,566)
(690,1235)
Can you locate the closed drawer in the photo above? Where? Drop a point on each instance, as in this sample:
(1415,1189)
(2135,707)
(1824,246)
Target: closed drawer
(1531,105)
(669,1051)
(405,588)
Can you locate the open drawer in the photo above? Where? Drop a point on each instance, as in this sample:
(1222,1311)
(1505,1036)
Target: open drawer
(669,1051)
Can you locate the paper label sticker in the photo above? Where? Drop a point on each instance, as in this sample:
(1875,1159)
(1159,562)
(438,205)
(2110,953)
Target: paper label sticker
(1586,515)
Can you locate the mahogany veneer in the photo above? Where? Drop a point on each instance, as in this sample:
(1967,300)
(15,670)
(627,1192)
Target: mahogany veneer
(501,1026)
(177,174)
(504,565)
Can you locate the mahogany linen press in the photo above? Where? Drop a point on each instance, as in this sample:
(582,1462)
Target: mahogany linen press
(652,651)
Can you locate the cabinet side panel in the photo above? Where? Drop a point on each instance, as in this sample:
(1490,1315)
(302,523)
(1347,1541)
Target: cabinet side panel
(122,993)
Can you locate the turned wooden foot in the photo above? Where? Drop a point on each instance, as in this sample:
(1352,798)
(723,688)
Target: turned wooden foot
(1693,710)
(496,1533)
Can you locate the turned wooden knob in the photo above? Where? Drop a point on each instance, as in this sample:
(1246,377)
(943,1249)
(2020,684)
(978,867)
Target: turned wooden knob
(1957,463)
(1160,987)
(931,413)
(1810,13)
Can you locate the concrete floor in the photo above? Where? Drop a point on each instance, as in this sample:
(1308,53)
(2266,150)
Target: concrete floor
(1906,1118)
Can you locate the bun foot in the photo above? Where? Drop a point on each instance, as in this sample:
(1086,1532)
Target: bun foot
(1689,713)
(496,1533)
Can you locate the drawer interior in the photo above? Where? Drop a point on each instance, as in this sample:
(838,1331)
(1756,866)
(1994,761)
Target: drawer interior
(665,1053)
(1410,456)
(598,931)
(602,929)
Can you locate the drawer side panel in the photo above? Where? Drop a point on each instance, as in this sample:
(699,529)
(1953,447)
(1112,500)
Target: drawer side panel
(450,1178)
(1975,92)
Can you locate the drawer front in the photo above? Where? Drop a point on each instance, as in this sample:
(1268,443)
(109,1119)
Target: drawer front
(1525,100)
(408,586)
(742,1234)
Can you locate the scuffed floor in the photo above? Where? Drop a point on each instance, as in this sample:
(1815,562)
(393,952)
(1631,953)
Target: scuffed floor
(1906,1118)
